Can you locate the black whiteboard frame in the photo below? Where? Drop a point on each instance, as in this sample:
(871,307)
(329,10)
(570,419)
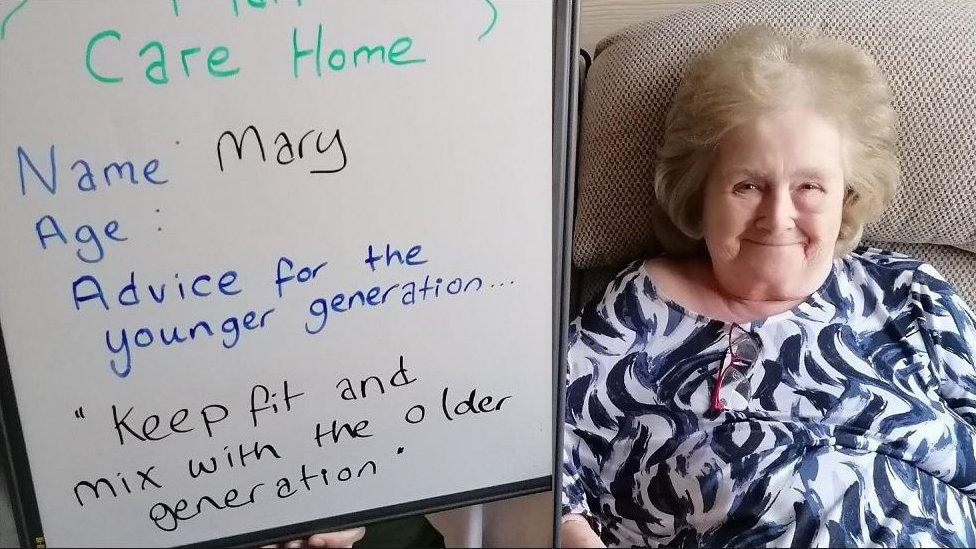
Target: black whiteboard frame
(20,485)
(569,122)
(15,467)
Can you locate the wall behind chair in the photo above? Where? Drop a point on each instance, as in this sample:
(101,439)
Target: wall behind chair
(600,18)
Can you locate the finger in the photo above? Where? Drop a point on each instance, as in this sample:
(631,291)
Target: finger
(344,538)
(295,544)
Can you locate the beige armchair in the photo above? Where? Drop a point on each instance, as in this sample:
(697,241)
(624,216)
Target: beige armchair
(927,50)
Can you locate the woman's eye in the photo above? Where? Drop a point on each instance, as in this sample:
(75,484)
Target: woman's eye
(745,186)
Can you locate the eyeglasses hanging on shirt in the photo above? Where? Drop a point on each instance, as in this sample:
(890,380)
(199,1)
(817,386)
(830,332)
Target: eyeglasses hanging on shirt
(732,389)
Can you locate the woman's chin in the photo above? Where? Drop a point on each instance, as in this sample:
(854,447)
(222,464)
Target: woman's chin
(776,272)
(774,259)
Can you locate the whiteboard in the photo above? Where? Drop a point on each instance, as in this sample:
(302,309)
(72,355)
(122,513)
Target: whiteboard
(273,263)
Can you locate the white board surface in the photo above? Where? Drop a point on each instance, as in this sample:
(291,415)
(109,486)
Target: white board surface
(439,146)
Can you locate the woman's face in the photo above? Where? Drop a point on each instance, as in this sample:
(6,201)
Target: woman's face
(772,205)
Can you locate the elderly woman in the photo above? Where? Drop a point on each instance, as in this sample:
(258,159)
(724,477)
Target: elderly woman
(768,385)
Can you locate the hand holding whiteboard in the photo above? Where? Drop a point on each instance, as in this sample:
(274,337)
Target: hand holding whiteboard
(274,267)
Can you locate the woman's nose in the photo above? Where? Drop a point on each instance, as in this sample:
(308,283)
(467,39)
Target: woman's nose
(776,212)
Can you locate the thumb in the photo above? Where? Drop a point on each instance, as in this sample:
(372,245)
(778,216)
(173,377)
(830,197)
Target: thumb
(342,538)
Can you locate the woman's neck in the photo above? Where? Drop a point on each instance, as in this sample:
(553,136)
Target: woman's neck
(789,286)
(742,301)
(747,310)
(693,284)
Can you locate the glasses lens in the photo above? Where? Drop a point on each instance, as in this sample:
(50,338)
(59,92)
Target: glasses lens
(745,348)
(735,384)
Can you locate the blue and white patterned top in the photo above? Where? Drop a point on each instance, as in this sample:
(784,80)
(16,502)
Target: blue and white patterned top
(860,430)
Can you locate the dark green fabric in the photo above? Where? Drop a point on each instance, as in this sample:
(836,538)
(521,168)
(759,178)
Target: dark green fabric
(406,532)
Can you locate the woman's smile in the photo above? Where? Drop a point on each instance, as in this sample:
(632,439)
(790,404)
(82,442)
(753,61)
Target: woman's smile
(773,243)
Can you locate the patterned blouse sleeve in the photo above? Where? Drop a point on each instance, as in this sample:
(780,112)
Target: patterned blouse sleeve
(948,328)
(597,339)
